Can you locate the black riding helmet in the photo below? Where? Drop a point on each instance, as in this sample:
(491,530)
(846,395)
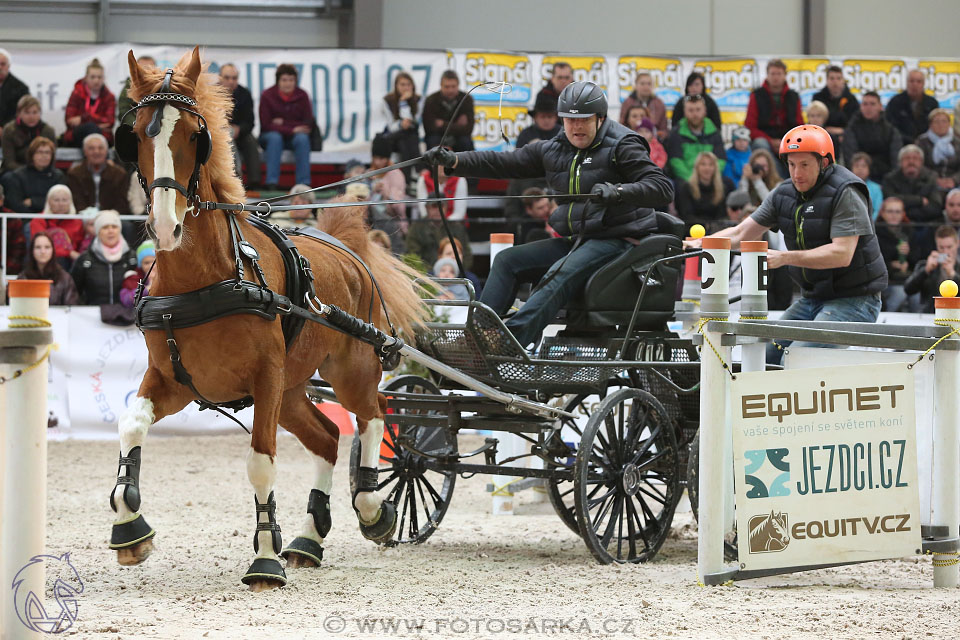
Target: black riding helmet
(582,100)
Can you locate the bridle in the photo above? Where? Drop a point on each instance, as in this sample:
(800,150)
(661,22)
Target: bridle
(127,142)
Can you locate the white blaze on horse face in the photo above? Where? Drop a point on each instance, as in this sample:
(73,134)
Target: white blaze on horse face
(133,426)
(165,217)
(262,473)
(368,504)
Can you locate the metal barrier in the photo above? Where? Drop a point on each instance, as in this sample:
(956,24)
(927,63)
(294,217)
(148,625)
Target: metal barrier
(752,332)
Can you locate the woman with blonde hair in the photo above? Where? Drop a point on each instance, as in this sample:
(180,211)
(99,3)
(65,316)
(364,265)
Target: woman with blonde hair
(759,176)
(66,233)
(817,113)
(91,107)
(702,198)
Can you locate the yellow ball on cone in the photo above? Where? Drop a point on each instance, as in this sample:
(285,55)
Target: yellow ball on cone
(697,231)
(948,289)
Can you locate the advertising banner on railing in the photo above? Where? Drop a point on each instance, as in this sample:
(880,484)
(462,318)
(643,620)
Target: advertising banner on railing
(825,465)
(347,86)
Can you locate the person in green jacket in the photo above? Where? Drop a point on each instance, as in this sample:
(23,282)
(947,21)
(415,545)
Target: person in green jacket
(694,134)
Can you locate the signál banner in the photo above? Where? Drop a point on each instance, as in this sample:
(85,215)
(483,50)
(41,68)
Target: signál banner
(825,466)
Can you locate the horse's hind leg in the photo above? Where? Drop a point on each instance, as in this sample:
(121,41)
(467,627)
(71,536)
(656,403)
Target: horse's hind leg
(319,435)
(132,537)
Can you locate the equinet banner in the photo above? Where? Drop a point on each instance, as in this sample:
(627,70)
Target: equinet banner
(825,465)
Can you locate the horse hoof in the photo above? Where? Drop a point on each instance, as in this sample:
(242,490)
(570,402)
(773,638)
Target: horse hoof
(302,552)
(383,529)
(264,574)
(136,554)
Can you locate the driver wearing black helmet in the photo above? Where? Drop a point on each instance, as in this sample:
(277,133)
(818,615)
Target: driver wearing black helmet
(591,154)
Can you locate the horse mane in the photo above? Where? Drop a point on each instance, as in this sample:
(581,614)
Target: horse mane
(215,104)
(394,277)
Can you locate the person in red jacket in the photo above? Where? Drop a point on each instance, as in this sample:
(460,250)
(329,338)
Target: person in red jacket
(66,232)
(286,120)
(91,108)
(774,109)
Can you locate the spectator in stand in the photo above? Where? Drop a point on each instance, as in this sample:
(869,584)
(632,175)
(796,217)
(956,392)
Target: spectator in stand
(759,176)
(916,186)
(909,111)
(643,96)
(401,110)
(840,102)
(737,205)
(98,182)
(860,166)
(16,241)
(956,119)
(693,134)
(146,261)
(533,225)
(11,89)
(940,265)
(446,251)
(545,126)
(648,132)
(738,155)
(702,198)
(450,187)
(633,116)
(818,113)
(438,110)
(91,108)
(41,265)
(27,187)
(66,232)
(21,131)
(424,236)
(392,185)
(951,208)
(89,217)
(99,272)
(941,150)
(894,234)
(869,132)
(286,120)
(445,268)
(696,85)
(246,152)
(774,108)
(124,101)
(297,217)
(560,76)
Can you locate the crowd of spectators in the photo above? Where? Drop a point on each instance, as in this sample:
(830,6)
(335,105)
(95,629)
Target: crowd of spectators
(908,153)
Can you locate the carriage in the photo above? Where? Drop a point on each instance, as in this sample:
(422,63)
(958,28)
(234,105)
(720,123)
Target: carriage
(605,410)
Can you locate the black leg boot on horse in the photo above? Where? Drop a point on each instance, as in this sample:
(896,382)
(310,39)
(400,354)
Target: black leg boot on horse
(378,517)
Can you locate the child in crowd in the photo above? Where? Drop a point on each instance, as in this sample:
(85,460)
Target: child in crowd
(89,215)
(648,131)
(738,154)
(447,268)
(146,257)
(860,165)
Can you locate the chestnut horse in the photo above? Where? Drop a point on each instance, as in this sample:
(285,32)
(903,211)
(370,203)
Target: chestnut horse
(244,355)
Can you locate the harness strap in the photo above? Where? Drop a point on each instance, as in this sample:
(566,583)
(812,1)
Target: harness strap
(241,246)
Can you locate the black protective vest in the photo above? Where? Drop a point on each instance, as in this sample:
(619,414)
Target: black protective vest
(805,219)
(765,110)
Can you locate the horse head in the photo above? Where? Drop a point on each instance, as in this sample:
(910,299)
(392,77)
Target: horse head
(778,527)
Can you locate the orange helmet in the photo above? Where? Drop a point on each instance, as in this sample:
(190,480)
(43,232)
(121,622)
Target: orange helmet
(807,138)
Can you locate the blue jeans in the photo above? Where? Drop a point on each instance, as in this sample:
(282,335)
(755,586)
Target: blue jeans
(528,263)
(274,143)
(856,309)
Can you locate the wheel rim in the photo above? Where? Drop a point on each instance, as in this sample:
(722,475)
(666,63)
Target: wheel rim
(421,495)
(626,478)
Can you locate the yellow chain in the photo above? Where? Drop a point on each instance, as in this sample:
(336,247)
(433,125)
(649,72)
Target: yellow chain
(700,325)
(37,322)
(953,560)
(29,368)
(502,490)
(754,318)
(940,323)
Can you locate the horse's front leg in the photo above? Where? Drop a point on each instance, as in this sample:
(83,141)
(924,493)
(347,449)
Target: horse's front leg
(266,572)
(132,536)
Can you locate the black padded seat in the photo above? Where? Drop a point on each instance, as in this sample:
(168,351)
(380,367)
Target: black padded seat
(610,294)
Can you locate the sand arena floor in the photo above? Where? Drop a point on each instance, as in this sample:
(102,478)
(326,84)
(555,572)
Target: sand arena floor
(477,577)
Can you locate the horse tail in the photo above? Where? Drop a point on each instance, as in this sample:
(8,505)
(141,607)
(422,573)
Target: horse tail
(395,279)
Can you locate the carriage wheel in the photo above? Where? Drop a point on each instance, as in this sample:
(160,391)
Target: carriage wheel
(421,495)
(561,492)
(626,478)
(730,551)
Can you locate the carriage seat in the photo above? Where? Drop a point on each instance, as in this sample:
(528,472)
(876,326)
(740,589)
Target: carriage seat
(611,293)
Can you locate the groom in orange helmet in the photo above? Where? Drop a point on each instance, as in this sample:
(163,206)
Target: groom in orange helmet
(823,210)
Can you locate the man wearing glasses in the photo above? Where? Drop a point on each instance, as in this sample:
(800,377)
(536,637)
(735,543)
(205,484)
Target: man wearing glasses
(246,151)
(561,76)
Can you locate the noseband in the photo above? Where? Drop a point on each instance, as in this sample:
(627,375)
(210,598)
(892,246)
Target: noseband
(127,142)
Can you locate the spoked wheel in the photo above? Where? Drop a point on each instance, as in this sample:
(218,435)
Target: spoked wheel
(731,552)
(421,495)
(626,478)
(564,451)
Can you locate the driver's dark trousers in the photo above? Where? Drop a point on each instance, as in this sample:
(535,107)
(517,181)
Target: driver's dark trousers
(527,262)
